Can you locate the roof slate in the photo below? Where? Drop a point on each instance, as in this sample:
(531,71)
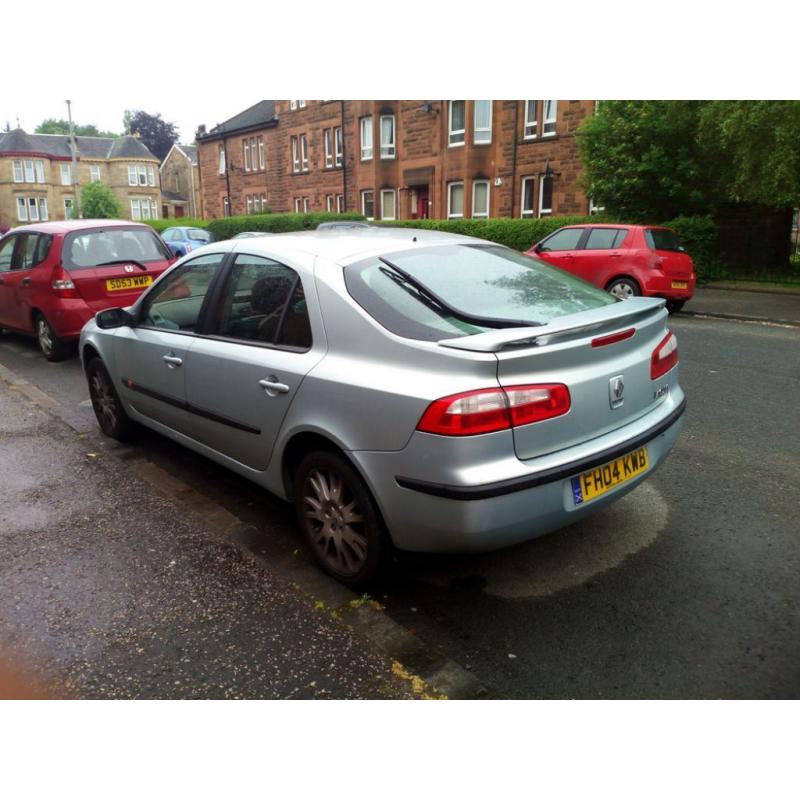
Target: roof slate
(57,145)
(262,113)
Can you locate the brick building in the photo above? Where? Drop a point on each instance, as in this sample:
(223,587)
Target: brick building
(36,181)
(397,159)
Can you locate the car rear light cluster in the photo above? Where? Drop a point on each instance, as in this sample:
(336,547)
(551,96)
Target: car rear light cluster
(489,410)
(61,283)
(664,357)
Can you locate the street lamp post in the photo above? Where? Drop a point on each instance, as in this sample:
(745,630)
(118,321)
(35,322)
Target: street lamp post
(74,149)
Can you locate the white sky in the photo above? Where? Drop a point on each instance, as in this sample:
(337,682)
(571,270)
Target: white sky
(203,63)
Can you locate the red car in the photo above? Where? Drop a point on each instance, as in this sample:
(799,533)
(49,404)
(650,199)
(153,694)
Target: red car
(626,260)
(55,276)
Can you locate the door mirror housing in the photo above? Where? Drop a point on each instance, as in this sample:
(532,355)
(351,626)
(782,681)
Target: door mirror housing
(540,248)
(114,318)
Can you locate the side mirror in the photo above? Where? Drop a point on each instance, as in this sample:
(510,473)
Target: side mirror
(540,248)
(113,318)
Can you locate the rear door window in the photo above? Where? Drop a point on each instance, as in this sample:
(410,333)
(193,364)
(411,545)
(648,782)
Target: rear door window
(7,252)
(662,239)
(566,239)
(605,238)
(482,287)
(264,302)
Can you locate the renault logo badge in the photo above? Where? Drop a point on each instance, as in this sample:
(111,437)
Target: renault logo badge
(616,391)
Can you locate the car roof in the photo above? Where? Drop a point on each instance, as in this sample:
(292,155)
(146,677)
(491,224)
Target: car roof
(339,244)
(70,225)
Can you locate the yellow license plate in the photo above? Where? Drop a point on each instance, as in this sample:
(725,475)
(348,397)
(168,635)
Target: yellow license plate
(135,282)
(601,479)
(680,285)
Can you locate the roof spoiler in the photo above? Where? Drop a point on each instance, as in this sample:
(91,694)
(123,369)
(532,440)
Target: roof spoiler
(625,312)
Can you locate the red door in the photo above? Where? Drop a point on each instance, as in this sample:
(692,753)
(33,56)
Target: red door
(423,210)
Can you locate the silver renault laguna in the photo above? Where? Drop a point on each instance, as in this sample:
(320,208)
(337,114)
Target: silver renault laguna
(401,387)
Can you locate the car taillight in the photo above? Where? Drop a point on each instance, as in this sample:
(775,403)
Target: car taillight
(61,283)
(664,357)
(489,410)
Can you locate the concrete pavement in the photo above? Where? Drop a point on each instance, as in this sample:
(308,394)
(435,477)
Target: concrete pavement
(734,302)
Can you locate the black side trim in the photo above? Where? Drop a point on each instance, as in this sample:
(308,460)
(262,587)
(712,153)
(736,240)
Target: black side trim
(171,401)
(546,476)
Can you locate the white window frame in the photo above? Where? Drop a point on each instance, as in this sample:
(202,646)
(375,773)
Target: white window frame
(366,148)
(530,212)
(249,203)
(293,105)
(226,206)
(339,203)
(389,148)
(246,154)
(298,205)
(384,193)
(136,208)
(133,179)
(222,160)
(329,203)
(530,130)
(151,175)
(306,205)
(66,173)
(295,154)
(338,144)
(263,203)
(94,173)
(364,193)
(545,212)
(262,163)
(142,175)
(303,153)
(43,213)
(39,170)
(301,103)
(486,131)
(549,120)
(461,133)
(22,209)
(69,207)
(450,186)
(30,173)
(18,172)
(481,215)
(33,209)
(328,136)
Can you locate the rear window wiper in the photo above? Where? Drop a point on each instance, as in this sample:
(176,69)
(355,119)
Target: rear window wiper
(432,297)
(123,261)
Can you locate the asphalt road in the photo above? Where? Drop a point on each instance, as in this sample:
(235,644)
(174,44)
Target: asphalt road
(687,588)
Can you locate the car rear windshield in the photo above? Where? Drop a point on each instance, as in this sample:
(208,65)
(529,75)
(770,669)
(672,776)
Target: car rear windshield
(459,290)
(662,239)
(86,249)
(199,235)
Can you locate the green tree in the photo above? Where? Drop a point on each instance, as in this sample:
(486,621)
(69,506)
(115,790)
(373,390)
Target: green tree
(99,202)
(156,134)
(61,126)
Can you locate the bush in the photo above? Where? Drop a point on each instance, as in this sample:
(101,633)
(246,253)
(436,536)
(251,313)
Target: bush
(99,202)
(700,237)
(162,224)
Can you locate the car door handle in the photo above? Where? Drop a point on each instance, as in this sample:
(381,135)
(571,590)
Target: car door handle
(273,386)
(614,255)
(172,361)
(26,281)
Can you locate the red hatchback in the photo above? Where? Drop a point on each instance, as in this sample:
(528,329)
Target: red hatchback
(626,260)
(55,276)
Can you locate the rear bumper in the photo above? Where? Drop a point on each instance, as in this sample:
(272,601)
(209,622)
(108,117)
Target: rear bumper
(660,285)
(427,516)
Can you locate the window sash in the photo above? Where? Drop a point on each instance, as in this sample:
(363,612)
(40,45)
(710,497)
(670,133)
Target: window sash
(368,203)
(222,160)
(388,209)
(261,154)
(298,205)
(387,136)
(528,189)
(329,202)
(530,119)
(482,130)
(19,174)
(66,178)
(33,209)
(455,200)
(30,175)
(545,197)
(151,175)
(306,204)
(303,153)
(43,215)
(39,168)
(246,154)
(549,117)
(480,188)
(456,123)
(132,176)
(366,138)
(339,203)
(249,201)
(295,155)
(94,173)
(22,209)
(69,207)
(339,144)
(293,105)
(328,133)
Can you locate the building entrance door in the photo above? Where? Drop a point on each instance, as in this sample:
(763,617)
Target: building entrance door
(422,209)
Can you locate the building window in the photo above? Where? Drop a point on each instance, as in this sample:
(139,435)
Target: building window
(328,136)
(31,208)
(39,165)
(329,202)
(29,172)
(151,175)
(530,119)
(339,203)
(246,159)
(293,105)
(19,175)
(480,199)
(132,175)
(388,204)
(69,207)
(249,202)
(261,156)
(482,132)
(226,207)
(298,205)
(306,205)
(66,178)
(387,136)
(303,153)
(301,103)
(549,118)
(368,203)
(526,204)
(546,196)
(455,200)
(366,138)
(94,172)
(339,144)
(22,209)
(143,208)
(457,121)
(593,209)
(222,159)
(295,155)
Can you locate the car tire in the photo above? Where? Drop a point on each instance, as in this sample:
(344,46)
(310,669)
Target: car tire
(674,306)
(53,348)
(111,416)
(339,520)
(624,288)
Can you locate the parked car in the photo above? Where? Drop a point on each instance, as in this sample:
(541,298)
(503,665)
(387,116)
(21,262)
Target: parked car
(401,387)
(250,234)
(54,276)
(626,260)
(182,240)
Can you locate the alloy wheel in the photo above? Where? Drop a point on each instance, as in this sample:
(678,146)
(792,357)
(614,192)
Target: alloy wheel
(623,290)
(45,335)
(104,400)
